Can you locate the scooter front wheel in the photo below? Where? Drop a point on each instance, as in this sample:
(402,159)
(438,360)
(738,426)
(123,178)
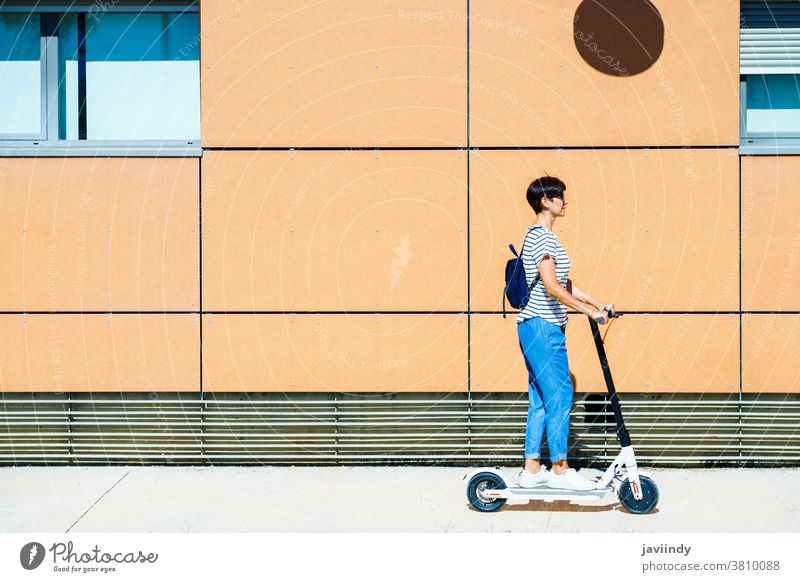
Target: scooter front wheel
(480,483)
(649,498)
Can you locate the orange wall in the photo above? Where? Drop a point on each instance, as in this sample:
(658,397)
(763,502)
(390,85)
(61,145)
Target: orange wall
(291,73)
(99,234)
(769,352)
(646,353)
(361,352)
(532,88)
(351,269)
(770,237)
(393,73)
(648,230)
(335,231)
(770,273)
(101,353)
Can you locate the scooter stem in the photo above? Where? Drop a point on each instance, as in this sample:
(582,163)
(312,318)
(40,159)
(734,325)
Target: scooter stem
(622,432)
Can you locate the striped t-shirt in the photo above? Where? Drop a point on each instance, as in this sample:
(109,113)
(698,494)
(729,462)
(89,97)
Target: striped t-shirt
(540,242)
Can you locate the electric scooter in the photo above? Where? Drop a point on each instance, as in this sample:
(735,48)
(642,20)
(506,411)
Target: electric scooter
(488,488)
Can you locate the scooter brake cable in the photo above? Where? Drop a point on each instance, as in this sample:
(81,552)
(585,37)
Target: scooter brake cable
(610,323)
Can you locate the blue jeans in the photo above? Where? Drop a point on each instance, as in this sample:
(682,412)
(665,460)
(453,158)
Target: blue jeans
(544,349)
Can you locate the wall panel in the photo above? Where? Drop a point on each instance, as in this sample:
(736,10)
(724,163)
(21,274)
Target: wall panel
(83,234)
(770,353)
(531,87)
(770,233)
(335,231)
(306,73)
(646,230)
(100,353)
(335,352)
(646,353)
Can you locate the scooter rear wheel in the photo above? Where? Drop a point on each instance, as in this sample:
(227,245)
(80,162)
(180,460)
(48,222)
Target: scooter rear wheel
(477,485)
(649,498)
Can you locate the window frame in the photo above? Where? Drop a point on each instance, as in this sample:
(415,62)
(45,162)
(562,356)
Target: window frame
(766,143)
(47,142)
(761,142)
(22,137)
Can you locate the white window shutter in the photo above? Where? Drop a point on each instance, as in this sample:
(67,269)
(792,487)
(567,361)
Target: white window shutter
(769,38)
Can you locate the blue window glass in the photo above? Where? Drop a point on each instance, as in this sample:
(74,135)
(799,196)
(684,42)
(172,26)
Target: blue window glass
(21,76)
(773,105)
(142,76)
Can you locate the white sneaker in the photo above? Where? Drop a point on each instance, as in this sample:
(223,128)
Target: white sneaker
(528,479)
(570,479)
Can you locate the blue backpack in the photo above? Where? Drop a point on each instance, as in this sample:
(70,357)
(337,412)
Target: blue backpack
(516,289)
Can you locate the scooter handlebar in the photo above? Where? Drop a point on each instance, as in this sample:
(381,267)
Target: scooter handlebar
(609,309)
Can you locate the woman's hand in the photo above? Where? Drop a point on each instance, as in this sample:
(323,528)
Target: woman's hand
(600,317)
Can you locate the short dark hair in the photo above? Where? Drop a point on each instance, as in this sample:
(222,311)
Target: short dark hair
(549,186)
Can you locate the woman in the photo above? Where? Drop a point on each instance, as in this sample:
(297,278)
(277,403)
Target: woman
(541,327)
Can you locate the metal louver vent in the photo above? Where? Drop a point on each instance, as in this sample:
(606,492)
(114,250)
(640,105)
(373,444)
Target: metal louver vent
(332,428)
(769,38)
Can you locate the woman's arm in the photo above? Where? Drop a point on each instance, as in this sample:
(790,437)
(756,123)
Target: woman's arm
(547,271)
(582,295)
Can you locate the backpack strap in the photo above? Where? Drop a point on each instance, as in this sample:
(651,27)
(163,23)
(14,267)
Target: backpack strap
(513,250)
(532,285)
(536,279)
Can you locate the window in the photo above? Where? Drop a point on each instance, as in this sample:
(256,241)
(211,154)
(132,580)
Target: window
(111,78)
(21,77)
(773,105)
(770,76)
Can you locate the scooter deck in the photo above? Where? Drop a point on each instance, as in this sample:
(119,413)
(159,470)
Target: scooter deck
(545,493)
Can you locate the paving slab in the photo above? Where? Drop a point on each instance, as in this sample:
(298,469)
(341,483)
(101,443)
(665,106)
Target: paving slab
(51,499)
(370,499)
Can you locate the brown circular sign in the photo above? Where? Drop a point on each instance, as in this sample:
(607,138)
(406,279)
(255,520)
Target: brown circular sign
(618,37)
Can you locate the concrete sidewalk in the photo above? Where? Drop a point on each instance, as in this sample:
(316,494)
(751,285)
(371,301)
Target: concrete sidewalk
(370,499)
